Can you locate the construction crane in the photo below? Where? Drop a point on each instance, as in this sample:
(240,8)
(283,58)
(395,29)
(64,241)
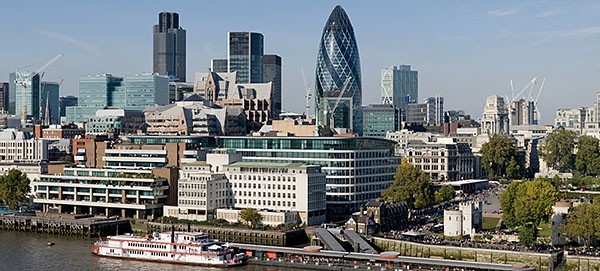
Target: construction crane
(25,80)
(330,113)
(308,94)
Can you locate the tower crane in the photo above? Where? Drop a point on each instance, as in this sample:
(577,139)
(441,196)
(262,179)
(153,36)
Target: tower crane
(308,94)
(25,80)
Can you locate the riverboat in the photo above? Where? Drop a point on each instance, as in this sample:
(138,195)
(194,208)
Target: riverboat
(192,248)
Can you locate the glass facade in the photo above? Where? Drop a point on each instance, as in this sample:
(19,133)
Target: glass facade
(50,91)
(132,92)
(399,86)
(379,119)
(357,169)
(272,73)
(24,97)
(337,60)
(169,47)
(245,56)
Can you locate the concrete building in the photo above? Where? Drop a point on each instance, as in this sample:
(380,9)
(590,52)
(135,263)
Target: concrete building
(416,113)
(399,86)
(357,169)
(435,110)
(116,122)
(222,186)
(442,160)
(523,112)
(58,131)
(571,119)
(107,191)
(466,220)
(404,136)
(169,53)
(279,188)
(256,100)
(378,119)
(18,146)
(495,116)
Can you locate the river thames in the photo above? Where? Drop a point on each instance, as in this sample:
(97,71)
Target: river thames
(27,251)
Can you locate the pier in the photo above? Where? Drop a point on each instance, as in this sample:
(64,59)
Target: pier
(313,258)
(80,227)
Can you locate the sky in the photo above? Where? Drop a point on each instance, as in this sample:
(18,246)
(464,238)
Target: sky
(464,51)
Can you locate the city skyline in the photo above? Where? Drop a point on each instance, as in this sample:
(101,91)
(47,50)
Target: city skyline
(469,49)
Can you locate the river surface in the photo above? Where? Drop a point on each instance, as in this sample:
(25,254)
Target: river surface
(29,251)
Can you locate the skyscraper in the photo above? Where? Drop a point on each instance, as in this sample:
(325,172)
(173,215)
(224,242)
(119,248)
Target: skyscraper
(399,86)
(272,73)
(338,62)
(49,103)
(245,56)
(24,98)
(218,65)
(169,46)
(4,97)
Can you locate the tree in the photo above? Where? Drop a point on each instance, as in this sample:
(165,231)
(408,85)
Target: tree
(587,159)
(411,185)
(251,216)
(14,187)
(582,222)
(527,234)
(558,150)
(500,157)
(445,193)
(526,204)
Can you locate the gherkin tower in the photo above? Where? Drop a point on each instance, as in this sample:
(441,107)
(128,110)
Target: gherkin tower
(338,64)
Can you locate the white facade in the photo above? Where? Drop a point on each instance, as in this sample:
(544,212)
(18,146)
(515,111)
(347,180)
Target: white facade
(465,221)
(403,136)
(442,160)
(17,146)
(495,116)
(279,187)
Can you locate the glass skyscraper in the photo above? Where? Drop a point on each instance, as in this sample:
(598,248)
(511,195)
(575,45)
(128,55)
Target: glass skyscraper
(245,56)
(338,60)
(272,73)
(169,46)
(399,86)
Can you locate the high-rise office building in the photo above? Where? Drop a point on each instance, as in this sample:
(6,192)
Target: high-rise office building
(24,97)
(108,91)
(399,86)
(272,73)
(65,102)
(378,119)
(49,105)
(338,62)
(435,110)
(4,86)
(169,46)
(245,56)
(218,65)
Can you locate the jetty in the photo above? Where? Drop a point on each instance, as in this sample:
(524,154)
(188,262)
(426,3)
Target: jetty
(66,226)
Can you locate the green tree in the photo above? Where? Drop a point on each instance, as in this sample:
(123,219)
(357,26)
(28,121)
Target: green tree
(527,234)
(587,159)
(14,187)
(526,204)
(67,158)
(446,193)
(500,157)
(583,222)
(251,216)
(558,150)
(411,185)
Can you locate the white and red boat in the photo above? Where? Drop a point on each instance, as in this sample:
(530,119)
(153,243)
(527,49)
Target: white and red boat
(191,248)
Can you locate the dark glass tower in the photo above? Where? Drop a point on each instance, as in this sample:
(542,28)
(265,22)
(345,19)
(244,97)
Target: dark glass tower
(245,56)
(169,46)
(338,61)
(272,73)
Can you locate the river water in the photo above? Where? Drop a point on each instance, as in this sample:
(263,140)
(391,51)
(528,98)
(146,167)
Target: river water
(28,251)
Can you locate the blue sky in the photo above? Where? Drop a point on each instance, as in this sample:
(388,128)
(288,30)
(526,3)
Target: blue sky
(463,50)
